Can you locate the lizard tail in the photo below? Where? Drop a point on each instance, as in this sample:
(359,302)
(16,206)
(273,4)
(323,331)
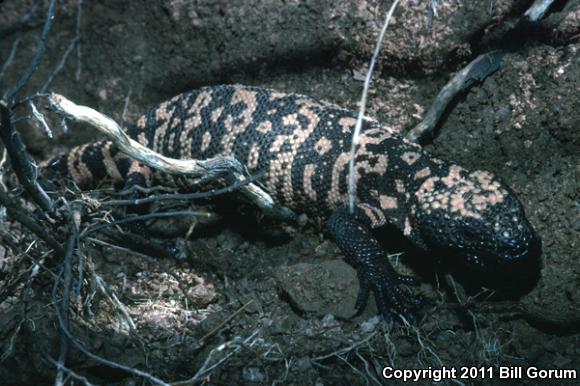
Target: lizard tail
(87,165)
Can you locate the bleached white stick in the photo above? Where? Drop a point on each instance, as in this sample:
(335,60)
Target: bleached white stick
(193,168)
(538,10)
(361,112)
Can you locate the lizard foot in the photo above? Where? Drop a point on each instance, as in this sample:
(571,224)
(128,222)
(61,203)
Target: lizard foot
(391,298)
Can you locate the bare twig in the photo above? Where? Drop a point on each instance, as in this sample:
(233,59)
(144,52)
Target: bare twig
(137,243)
(22,22)
(9,240)
(345,350)
(191,168)
(40,118)
(185,213)
(76,221)
(15,211)
(126,104)
(3,161)
(69,372)
(361,113)
(60,64)
(22,163)
(432,12)
(64,328)
(476,71)
(78,39)
(538,10)
(10,58)
(180,196)
(74,43)
(224,322)
(207,367)
(12,91)
(64,305)
(116,302)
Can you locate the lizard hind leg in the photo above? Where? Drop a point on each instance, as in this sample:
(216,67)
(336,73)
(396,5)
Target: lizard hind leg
(137,176)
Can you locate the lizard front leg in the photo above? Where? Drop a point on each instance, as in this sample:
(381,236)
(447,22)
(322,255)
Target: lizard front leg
(352,234)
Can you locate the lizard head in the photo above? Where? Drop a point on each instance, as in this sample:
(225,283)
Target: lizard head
(475,217)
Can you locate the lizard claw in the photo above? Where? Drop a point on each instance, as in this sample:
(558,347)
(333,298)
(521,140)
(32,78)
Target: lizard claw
(362,298)
(391,298)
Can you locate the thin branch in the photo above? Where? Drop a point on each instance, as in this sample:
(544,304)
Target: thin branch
(538,10)
(59,381)
(206,367)
(8,240)
(69,372)
(191,168)
(432,12)
(128,145)
(22,22)
(185,213)
(74,43)
(112,296)
(22,163)
(361,113)
(60,64)
(64,328)
(126,104)
(346,350)
(16,212)
(40,118)
(180,196)
(78,38)
(137,243)
(476,71)
(224,322)
(10,58)
(9,95)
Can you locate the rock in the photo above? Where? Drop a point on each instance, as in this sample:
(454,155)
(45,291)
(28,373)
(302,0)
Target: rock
(329,287)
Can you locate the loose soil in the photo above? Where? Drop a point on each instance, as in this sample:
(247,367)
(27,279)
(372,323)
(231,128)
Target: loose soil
(265,302)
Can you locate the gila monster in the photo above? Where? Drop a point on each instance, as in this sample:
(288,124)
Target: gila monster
(301,145)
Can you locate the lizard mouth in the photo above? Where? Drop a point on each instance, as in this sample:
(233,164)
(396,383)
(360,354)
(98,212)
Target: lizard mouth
(520,262)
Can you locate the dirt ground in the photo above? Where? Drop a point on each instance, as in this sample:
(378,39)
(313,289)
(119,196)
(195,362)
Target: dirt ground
(263,302)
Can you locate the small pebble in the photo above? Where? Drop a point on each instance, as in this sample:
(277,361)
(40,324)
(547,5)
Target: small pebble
(370,325)
(253,375)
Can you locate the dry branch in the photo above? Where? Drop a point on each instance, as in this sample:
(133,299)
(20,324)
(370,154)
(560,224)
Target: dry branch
(191,168)
(24,20)
(23,165)
(479,69)
(79,346)
(537,10)
(18,213)
(361,113)
(12,91)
